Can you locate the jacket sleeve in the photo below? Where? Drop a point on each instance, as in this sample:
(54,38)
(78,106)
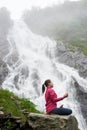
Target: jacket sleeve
(53,96)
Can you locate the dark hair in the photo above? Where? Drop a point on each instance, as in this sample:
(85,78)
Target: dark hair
(46,83)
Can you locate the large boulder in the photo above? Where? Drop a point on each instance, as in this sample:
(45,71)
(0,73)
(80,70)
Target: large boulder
(51,122)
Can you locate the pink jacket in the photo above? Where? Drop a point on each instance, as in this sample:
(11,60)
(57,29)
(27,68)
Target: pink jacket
(51,100)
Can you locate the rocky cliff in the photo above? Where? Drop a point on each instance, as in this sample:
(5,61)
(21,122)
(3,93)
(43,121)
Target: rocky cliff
(75,59)
(37,121)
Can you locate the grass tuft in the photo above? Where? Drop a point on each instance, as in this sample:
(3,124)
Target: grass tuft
(14,104)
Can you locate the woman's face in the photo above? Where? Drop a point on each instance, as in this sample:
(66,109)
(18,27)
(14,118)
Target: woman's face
(51,85)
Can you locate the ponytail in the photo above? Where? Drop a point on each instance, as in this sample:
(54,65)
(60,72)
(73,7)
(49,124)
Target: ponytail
(43,88)
(46,83)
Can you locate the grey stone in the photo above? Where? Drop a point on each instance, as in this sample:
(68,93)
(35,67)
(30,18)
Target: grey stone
(52,122)
(16,118)
(3,71)
(1,113)
(74,59)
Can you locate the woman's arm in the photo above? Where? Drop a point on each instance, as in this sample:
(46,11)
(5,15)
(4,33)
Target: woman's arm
(53,96)
(58,99)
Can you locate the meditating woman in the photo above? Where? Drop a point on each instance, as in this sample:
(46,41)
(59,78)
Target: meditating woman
(52,99)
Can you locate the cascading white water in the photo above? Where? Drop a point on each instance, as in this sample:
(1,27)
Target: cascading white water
(36,62)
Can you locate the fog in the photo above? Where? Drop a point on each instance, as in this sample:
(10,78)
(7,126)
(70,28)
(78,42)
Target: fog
(66,22)
(63,20)
(16,7)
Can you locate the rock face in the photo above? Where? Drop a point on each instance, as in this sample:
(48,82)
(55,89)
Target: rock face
(74,59)
(79,61)
(82,100)
(3,71)
(8,122)
(52,122)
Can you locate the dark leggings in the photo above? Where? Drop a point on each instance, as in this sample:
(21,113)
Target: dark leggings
(62,111)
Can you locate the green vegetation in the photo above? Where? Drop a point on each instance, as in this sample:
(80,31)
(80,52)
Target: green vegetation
(82,45)
(8,125)
(14,104)
(71,47)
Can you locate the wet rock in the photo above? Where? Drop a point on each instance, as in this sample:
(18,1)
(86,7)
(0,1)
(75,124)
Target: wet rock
(1,113)
(15,118)
(24,110)
(8,122)
(26,113)
(7,115)
(74,59)
(52,122)
(82,95)
(3,71)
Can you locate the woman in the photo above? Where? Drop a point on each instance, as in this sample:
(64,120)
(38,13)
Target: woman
(52,99)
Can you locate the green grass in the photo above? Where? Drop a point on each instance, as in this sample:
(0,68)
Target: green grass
(81,44)
(14,104)
(71,47)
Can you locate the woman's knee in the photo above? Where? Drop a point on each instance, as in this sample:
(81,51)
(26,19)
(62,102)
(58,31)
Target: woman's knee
(69,111)
(62,111)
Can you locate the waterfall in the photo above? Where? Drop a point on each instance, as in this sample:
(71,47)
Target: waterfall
(31,60)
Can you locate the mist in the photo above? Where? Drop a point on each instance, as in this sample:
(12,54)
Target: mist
(66,22)
(16,7)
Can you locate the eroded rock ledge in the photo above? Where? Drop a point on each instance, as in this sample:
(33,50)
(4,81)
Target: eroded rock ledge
(37,121)
(52,122)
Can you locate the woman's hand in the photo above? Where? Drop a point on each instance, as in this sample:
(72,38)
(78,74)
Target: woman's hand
(65,95)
